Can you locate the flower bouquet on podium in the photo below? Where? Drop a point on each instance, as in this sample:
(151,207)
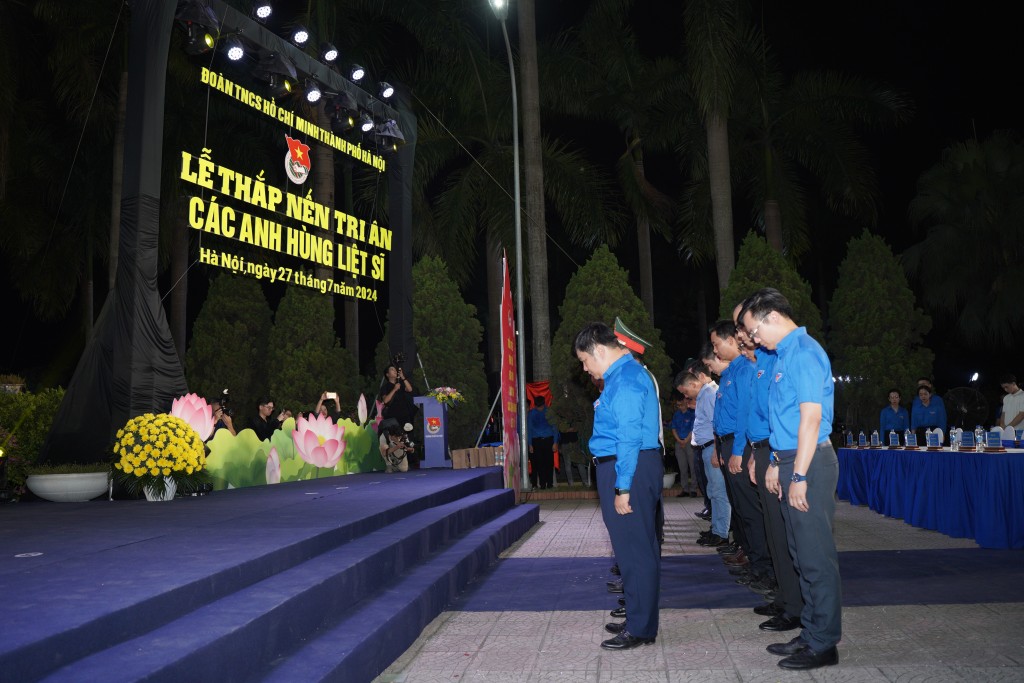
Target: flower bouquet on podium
(449,396)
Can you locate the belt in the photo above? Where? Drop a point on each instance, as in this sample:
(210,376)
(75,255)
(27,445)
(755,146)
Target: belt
(598,459)
(790,452)
(759,444)
(704,445)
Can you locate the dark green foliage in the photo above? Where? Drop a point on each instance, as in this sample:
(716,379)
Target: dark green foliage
(305,358)
(876,332)
(761,266)
(25,421)
(229,344)
(448,337)
(598,292)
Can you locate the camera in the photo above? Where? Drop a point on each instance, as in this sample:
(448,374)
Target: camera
(225,403)
(398,360)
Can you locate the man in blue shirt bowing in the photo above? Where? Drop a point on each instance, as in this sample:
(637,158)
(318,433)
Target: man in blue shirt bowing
(627,450)
(800,409)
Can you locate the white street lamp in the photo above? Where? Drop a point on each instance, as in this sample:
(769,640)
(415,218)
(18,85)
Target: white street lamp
(500,8)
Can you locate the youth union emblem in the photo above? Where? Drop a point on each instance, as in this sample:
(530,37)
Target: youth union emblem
(296,161)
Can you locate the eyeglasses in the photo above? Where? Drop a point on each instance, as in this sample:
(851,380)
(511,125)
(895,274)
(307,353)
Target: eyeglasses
(753,332)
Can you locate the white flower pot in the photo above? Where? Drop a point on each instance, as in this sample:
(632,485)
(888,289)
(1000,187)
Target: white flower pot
(170,488)
(68,488)
(669,479)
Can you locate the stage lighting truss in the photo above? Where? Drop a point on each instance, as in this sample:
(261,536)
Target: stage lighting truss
(356,73)
(386,90)
(328,53)
(233,48)
(312,92)
(261,11)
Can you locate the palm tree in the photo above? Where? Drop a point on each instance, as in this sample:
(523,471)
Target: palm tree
(967,264)
(712,45)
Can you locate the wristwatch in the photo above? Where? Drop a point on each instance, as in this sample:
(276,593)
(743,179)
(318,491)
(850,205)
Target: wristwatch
(773,460)
(621,492)
(797,478)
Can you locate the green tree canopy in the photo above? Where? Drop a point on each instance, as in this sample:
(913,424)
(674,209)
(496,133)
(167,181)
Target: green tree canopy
(761,266)
(305,357)
(876,333)
(599,291)
(969,263)
(448,337)
(229,343)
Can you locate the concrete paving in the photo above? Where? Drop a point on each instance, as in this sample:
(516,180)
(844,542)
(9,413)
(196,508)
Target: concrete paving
(944,639)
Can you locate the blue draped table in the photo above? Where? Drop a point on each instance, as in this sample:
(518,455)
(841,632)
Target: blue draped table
(962,494)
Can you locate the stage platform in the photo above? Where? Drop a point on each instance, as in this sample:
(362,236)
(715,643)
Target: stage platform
(330,579)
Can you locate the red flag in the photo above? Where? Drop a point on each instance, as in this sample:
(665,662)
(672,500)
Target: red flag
(509,385)
(299,151)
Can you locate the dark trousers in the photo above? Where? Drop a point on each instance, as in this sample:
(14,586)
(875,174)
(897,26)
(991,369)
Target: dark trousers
(788,595)
(813,548)
(634,539)
(701,476)
(542,461)
(746,512)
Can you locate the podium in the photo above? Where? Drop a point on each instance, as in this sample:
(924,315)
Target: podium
(435,433)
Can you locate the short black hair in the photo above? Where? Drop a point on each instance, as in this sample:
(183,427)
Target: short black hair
(264,400)
(539,402)
(925,387)
(707,351)
(695,367)
(1008,379)
(764,301)
(723,329)
(896,391)
(684,378)
(594,334)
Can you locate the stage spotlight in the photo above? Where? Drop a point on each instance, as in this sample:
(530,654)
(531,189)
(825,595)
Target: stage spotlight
(300,36)
(390,135)
(276,70)
(356,73)
(201,25)
(234,48)
(312,92)
(261,11)
(386,90)
(278,86)
(328,53)
(365,123)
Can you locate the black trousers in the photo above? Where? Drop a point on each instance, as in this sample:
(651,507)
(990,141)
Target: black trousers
(788,596)
(542,461)
(746,512)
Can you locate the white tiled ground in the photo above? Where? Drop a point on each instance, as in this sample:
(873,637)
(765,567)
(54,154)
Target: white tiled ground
(904,643)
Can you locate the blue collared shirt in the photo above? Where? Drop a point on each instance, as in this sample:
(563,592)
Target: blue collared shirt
(803,374)
(626,417)
(724,421)
(890,420)
(758,427)
(537,425)
(742,375)
(703,430)
(932,416)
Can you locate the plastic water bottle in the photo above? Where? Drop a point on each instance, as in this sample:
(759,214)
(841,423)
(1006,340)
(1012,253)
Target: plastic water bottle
(874,438)
(979,439)
(954,439)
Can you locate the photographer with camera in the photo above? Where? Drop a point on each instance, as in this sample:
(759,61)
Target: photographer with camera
(396,394)
(264,423)
(395,448)
(222,413)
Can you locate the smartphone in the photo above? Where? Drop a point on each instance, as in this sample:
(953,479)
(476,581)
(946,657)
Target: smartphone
(331,395)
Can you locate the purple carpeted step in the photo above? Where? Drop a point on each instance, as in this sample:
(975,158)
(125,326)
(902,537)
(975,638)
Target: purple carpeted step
(234,636)
(381,628)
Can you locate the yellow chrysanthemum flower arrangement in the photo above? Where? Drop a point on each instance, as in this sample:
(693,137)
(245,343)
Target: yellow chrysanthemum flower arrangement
(153,446)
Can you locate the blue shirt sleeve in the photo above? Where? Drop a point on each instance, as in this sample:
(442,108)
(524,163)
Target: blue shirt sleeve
(744,389)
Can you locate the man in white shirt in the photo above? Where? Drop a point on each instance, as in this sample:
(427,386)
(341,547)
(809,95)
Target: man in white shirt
(1013,403)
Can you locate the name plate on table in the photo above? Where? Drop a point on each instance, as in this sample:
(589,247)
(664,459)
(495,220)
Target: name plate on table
(862,441)
(967,440)
(894,440)
(849,439)
(875,442)
(932,440)
(994,440)
(912,441)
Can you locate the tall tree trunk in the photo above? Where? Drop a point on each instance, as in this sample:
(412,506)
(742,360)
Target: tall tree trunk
(88,287)
(702,303)
(495,280)
(179,276)
(323,182)
(643,242)
(537,247)
(117,179)
(721,197)
(350,304)
(773,224)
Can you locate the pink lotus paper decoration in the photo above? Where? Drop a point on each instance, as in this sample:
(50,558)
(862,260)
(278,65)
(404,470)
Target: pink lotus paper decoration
(318,440)
(273,467)
(380,414)
(196,411)
(361,409)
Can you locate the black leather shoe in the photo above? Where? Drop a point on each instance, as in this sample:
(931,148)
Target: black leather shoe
(682,494)
(615,586)
(730,549)
(768,610)
(762,586)
(809,659)
(615,627)
(703,512)
(790,648)
(780,622)
(745,579)
(712,541)
(740,571)
(619,613)
(622,602)
(615,569)
(624,641)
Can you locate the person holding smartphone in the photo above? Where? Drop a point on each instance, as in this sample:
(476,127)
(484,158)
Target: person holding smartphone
(322,405)
(396,394)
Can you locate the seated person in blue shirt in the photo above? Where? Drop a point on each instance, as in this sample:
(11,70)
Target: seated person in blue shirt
(894,417)
(929,412)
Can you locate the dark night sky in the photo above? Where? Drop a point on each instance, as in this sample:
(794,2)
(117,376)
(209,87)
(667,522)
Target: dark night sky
(958,63)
